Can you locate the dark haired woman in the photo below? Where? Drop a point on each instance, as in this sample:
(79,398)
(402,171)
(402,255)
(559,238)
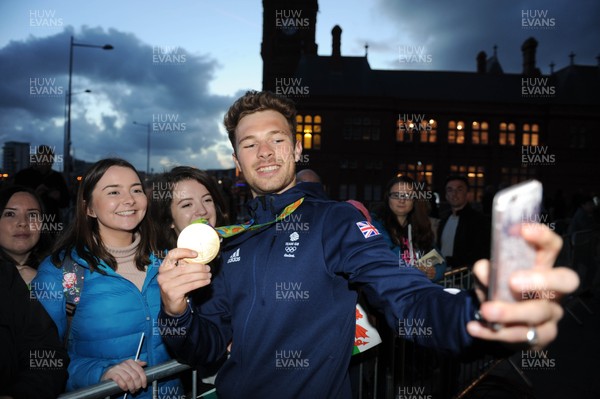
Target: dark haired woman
(183,195)
(21,225)
(113,245)
(405,224)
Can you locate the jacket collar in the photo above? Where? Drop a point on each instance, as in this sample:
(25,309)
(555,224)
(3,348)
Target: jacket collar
(104,268)
(266,208)
(465,209)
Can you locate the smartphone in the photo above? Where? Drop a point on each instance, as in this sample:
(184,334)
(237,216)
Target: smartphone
(512,207)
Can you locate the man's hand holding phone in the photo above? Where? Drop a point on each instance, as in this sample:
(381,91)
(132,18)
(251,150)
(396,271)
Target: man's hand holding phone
(524,288)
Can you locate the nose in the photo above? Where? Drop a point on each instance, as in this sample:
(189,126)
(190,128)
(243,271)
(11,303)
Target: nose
(23,220)
(128,198)
(265,150)
(201,210)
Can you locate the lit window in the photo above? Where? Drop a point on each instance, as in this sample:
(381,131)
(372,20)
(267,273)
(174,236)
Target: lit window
(418,171)
(428,131)
(479,132)
(456,132)
(308,131)
(506,134)
(530,135)
(404,131)
(476,177)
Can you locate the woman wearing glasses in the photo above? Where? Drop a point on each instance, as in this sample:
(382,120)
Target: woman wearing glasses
(404,223)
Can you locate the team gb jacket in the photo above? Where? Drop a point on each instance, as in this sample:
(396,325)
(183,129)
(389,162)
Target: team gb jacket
(285,297)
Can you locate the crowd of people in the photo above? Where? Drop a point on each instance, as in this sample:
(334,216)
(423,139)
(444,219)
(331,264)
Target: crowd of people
(276,310)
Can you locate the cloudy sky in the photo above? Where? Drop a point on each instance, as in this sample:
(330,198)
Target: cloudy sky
(180,64)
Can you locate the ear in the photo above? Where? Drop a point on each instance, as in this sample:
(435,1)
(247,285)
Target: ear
(90,212)
(297,151)
(235,160)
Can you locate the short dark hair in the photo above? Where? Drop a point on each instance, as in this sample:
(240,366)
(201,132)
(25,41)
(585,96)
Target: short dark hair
(256,101)
(457,177)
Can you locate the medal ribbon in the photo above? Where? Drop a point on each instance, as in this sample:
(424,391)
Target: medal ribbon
(234,229)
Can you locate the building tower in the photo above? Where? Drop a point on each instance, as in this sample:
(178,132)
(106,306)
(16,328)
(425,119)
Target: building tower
(289,28)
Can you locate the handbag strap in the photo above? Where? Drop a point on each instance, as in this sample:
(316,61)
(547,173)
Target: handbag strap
(72,282)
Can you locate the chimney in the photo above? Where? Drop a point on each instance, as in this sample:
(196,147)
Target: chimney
(528,49)
(481,61)
(336,41)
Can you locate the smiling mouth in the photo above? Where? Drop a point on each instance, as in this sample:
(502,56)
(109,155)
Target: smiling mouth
(267,169)
(125,213)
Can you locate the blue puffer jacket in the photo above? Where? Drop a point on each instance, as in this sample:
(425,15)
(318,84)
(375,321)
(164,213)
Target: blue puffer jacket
(111,316)
(283,298)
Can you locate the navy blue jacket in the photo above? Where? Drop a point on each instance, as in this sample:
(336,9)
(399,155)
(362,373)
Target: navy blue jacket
(285,297)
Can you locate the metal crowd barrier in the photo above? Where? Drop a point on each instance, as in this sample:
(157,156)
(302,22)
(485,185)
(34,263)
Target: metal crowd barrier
(410,370)
(407,367)
(108,388)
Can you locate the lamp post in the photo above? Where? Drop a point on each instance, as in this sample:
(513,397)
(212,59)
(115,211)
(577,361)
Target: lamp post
(67,139)
(147,146)
(68,145)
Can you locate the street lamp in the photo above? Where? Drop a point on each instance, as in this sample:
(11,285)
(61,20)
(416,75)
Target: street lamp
(68,145)
(67,139)
(147,146)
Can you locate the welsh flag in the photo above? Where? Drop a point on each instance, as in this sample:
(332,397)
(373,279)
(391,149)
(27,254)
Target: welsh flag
(366,335)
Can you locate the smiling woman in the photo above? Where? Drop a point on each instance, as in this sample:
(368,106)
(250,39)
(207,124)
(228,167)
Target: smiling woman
(111,246)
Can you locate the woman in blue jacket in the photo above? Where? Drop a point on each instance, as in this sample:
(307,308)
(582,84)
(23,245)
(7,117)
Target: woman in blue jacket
(110,275)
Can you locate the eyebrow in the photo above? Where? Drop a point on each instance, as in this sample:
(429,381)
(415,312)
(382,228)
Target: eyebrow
(184,199)
(191,198)
(28,210)
(112,186)
(272,133)
(120,185)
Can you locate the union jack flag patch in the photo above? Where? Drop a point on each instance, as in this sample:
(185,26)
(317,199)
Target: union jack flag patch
(367,229)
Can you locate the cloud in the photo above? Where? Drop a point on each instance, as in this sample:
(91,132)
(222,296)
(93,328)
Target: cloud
(159,84)
(454,32)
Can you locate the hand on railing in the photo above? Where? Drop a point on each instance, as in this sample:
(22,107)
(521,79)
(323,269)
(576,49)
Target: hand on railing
(129,375)
(110,387)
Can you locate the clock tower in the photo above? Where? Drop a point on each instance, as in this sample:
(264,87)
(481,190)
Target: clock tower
(288,33)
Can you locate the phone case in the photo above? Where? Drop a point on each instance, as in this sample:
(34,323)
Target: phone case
(512,207)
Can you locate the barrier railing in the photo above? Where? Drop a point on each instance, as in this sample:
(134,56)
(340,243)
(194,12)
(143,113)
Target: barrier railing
(153,374)
(415,371)
(409,367)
